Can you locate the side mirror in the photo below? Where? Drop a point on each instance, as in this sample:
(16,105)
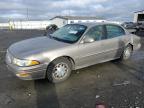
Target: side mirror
(88,40)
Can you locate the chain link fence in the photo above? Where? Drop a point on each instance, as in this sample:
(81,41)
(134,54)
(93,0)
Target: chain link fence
(24,25)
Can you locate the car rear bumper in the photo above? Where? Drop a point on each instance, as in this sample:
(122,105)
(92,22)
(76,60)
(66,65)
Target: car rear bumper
(137,46)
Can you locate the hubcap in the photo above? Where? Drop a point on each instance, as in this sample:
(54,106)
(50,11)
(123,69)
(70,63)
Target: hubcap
(127,53)
(60,70)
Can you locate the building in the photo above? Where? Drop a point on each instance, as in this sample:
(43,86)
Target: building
(30,24)
(4,26)
(25,24)
(139,16)
(63,20)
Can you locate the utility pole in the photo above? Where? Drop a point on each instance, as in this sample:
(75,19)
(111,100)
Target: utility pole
(69,12)
(27,14)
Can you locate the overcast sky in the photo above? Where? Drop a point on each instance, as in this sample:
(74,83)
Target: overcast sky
(120,10)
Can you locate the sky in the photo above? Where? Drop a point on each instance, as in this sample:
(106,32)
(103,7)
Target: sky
(117,10)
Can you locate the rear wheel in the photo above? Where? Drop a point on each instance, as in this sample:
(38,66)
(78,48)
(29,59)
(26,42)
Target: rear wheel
(59,70)
(127,53)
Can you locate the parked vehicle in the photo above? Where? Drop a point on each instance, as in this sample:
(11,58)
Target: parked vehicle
(71,47)
(140,27)
(50,29)
(129,25)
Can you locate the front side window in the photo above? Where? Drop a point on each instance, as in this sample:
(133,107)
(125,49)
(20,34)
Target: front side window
(95,32)
(114,31)
(70,33)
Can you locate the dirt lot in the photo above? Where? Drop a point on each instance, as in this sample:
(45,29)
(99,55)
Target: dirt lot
(116,84)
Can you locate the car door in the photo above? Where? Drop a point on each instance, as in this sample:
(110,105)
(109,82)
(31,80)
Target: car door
(90,53)
(114,44)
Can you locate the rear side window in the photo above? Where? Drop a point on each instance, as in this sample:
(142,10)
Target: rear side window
(114,31)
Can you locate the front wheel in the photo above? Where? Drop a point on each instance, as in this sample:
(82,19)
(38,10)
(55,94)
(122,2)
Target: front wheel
(127,53)
(59,70)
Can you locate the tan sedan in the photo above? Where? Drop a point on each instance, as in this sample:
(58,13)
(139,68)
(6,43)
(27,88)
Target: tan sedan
(71,47)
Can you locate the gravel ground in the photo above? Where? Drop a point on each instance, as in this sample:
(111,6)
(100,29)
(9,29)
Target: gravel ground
(115,84)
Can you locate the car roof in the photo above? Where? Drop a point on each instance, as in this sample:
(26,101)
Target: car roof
(95,23)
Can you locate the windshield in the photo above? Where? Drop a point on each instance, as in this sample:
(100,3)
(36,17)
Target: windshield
(69,33)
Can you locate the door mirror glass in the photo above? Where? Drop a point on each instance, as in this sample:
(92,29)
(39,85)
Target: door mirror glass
(88,40)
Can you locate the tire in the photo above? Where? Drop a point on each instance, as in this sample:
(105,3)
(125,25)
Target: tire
(59,70)
(126,53)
